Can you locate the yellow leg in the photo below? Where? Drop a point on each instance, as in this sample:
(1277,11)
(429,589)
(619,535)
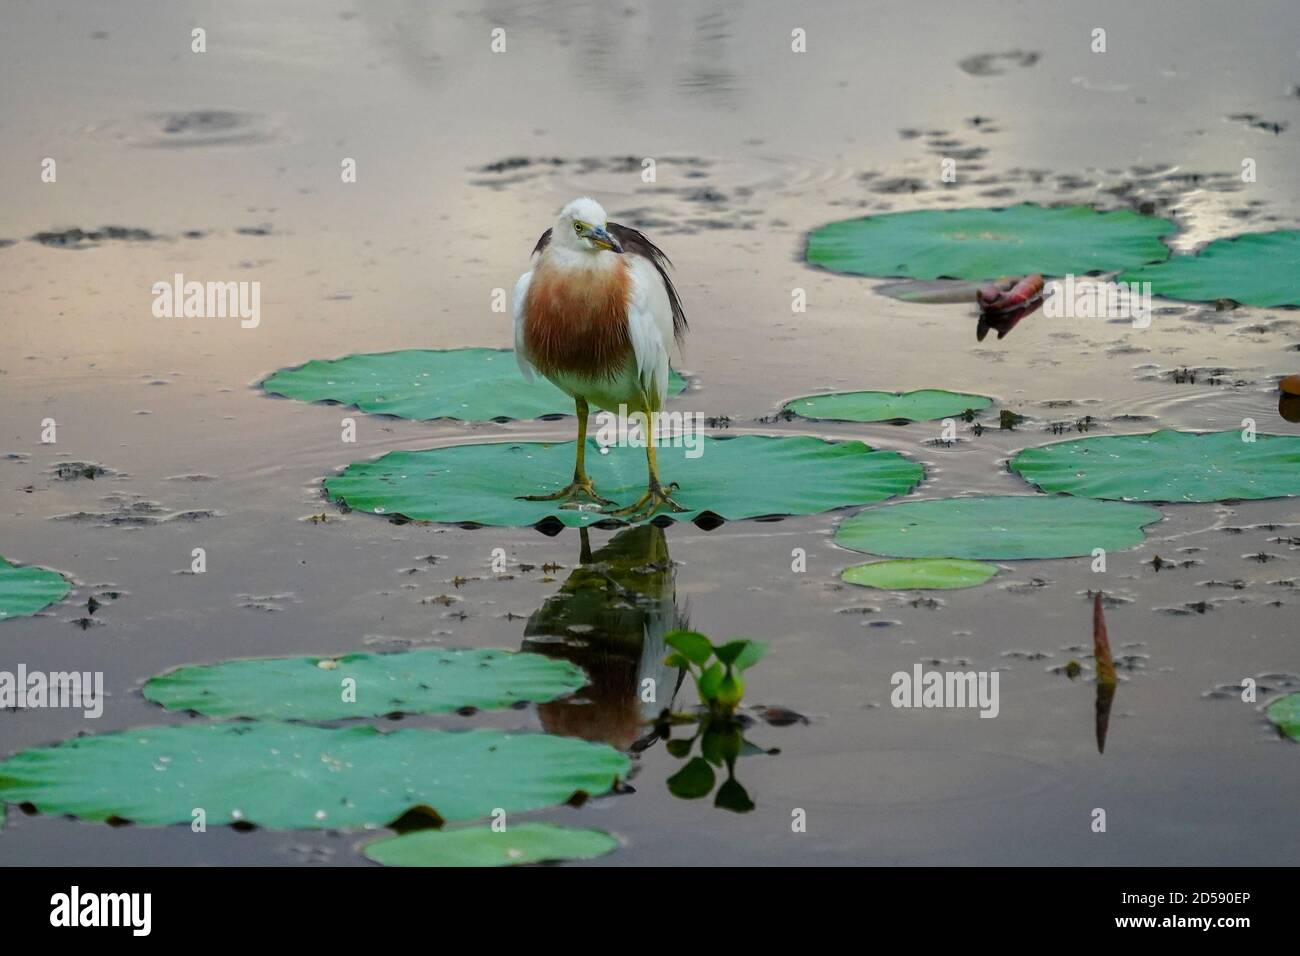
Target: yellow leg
(580,488)
(656,495)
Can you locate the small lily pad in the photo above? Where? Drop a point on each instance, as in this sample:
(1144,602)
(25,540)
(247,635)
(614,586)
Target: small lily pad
(1258,268)
(920,573)
(918,406)
(1285,712)
(26,590)
(744,477)
(996,528)
(1167,466)
(989,243)
(296,776)
(482,846)
(426,681)
(475,385)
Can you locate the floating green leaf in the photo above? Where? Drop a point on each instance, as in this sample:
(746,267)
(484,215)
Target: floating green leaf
(26,590)
(920,573)
(919,406)
(1285,712)
(695,647)
(482,846)
(296,776)
(1258,268)
(989,243)
(1167,466)
(745,477)
(474,385)
(412,682)
(996,528)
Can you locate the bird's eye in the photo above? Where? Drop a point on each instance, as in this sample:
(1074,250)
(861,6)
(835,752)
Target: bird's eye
(577,227)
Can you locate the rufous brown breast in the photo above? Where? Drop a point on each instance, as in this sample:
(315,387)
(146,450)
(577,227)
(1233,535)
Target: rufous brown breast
(577,322)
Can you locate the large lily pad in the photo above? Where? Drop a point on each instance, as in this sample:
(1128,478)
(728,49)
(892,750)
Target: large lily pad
(919,406)
(1285,712)
(1006,527)
(483,846)
(1167,466)
(920,573)
(469,384)
(745,477)
(27,590)
(1258,268)
(296,776)
(413,682)
(989,243)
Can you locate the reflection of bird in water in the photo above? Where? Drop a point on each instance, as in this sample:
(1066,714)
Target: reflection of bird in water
(597,316)
(610,618)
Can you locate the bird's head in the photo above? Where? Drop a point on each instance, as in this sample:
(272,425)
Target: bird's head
(582,226)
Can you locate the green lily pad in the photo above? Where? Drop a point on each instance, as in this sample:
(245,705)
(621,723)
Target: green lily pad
(1258,268)
(1285,712)
(412,682)
(1167,466)
(920,573)
(483,846)
(920,406)
(26,590)
(989,243)
(473,385)
(745,477)
(296,776)
(996,528)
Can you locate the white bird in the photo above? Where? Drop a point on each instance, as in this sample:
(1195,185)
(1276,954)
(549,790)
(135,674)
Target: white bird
(597,316)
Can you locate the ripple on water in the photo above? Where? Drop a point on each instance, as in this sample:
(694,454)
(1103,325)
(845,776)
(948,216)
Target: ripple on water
(202,127)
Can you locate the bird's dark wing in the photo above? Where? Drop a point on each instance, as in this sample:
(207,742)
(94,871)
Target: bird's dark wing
(543,242)
(636,243)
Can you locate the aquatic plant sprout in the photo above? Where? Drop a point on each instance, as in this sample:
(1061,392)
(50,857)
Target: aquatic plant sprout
(716,669)
(1285,714)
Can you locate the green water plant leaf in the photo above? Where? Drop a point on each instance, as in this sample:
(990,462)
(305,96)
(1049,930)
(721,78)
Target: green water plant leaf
(918,406)
(482,846)
(748,476)
(411,682)
(26,590)
(920,573)
(472,384)
(1285,712)
(694,646)
(296,776)
(1005,527)
(1258,268)
(989,243)
(1167,466)
(693,781)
